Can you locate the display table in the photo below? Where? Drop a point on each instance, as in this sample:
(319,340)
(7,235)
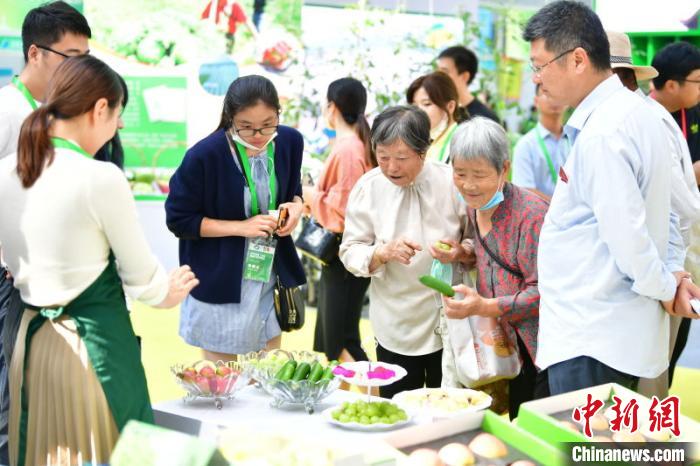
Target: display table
(251,410)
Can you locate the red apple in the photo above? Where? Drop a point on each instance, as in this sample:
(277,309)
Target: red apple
(223,384)
(203,384)
(223,370)
(207,372)
(213,385)
(188,374)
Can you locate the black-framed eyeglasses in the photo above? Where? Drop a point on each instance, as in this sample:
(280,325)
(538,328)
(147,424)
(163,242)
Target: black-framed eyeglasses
(694,81)
(250,132)
(538,69)
(49,49)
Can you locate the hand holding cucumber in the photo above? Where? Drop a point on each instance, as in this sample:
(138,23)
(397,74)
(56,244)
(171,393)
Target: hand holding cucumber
(399,250)
(471,304)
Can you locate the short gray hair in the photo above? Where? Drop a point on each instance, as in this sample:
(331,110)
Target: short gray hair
(405,123)
(480,138)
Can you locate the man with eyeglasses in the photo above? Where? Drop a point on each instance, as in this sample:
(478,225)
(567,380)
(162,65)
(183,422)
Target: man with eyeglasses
(677,88)
(610,250)
(50,33)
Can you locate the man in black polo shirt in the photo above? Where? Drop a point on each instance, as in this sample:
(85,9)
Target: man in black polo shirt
(461,64)
(677,88)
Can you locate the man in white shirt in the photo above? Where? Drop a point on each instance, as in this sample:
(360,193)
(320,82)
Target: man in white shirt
(50,33)
(540,153)
(685,197)
(610,249)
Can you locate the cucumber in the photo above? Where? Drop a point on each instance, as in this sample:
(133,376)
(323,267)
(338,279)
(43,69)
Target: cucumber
(301,372)
(287,371)
(328,373)
(316,372)
(437,285)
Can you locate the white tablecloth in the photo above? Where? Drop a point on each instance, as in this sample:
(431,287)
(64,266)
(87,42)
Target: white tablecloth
(251,410)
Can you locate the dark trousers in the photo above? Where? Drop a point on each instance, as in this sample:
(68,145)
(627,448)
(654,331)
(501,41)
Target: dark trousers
(10,316)
(423,371)
(340,299)
(681,340)
(584,372)
(529,385)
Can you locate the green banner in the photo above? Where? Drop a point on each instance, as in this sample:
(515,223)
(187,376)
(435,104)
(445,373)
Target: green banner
(12,12)
(155,128)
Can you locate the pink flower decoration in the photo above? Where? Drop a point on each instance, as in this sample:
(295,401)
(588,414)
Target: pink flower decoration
(340,370)
(381,373)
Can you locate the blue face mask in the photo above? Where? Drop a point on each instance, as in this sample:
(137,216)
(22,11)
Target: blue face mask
(496,199)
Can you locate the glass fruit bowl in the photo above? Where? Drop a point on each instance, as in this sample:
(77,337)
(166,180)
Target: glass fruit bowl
(216,381)
(297,378)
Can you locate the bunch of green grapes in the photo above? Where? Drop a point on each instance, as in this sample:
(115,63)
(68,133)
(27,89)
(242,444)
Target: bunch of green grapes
(375,412)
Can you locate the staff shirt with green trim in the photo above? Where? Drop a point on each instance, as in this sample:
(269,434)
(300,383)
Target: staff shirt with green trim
(530,168)
(56,236)
(14,108)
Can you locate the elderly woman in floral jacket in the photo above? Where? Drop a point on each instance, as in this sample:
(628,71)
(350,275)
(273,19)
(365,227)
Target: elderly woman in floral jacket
(507,222)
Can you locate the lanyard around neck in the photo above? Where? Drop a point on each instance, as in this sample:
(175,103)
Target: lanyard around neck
(60,143)
(245,164)
(448,138)
(548,158)
(683,124)
(25,92)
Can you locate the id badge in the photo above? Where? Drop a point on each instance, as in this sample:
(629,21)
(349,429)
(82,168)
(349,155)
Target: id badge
(259,260)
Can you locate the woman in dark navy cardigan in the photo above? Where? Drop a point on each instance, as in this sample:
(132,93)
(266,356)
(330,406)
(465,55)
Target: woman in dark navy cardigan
(209,209)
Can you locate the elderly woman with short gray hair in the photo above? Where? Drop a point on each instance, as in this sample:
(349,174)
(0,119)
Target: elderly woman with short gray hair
(395,212)
(507,222)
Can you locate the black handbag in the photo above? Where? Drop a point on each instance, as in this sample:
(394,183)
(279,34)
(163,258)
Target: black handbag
(289,307)
(318,243)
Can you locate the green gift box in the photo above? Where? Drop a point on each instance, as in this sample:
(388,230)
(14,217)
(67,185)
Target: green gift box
(487,421)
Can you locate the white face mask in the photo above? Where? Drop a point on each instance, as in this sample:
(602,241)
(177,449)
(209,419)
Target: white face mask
(238,139)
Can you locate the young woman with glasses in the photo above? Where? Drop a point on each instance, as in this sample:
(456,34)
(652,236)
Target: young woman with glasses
(219,206)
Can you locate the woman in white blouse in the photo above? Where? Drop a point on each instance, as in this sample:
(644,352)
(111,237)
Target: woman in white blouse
(71,239)
(395,213)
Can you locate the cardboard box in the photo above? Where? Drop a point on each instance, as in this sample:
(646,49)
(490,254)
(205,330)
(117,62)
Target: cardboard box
(537,417)
(487,421)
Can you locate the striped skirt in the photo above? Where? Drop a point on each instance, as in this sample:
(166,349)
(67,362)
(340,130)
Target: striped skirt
(69,420)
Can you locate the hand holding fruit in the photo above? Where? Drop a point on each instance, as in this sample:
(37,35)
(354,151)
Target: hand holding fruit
(472,304)
(399,250)
(446,251)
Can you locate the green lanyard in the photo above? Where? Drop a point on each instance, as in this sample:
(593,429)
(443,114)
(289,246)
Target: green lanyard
(60,143)
(254,207)
(25,92)
(448,138)
(543,147)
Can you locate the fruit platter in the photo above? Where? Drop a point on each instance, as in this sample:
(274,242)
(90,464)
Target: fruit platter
(367,415)
(443,402)
(216,381)
(300,379)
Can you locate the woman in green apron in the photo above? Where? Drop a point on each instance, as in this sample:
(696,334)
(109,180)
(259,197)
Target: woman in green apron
(72,241)
(436,95)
